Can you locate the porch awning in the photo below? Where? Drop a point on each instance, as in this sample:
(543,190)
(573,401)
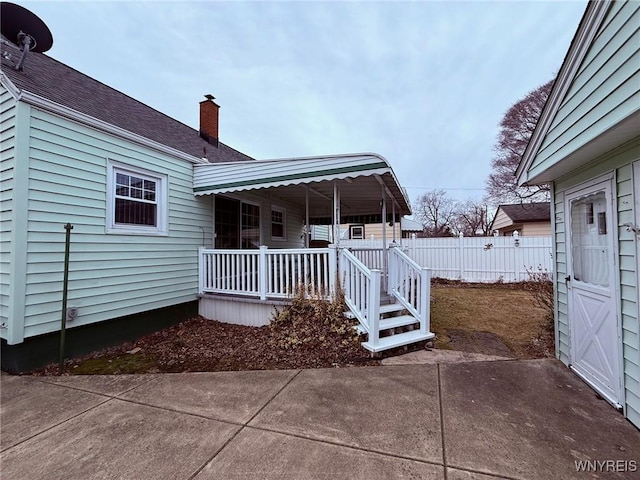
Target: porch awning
(361,178)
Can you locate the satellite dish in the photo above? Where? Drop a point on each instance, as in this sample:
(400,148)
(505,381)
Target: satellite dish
(24,29)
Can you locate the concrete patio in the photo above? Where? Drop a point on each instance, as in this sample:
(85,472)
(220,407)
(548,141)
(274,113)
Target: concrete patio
(518,419)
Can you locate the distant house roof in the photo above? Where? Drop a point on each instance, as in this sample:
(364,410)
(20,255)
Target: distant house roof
(522,213)
(408,225)
(527,212)
(54,81)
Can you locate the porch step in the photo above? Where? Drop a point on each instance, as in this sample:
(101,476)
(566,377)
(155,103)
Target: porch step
(384,310)
(392,322)
(398,340)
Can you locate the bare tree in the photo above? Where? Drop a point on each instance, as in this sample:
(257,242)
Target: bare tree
(471,219)
(516,128)
(435,210)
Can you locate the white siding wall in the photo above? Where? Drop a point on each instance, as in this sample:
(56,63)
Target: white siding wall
(619,162)
(111,275)
(7,134)
(596,101)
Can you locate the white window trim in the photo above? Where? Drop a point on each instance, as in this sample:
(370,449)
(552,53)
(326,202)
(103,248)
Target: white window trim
(351,229)
(161,197)
(282,210)
(260,219)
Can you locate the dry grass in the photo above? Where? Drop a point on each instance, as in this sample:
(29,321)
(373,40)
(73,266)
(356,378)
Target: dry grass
(510,313)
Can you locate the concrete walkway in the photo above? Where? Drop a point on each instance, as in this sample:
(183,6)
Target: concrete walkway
(484,420)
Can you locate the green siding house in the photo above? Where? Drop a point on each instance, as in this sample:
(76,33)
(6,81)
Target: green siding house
(587,147)
(168,222)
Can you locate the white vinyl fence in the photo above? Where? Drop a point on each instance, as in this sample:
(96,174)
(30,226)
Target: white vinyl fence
(474,259)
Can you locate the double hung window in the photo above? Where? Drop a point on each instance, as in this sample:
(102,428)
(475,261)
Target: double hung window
(136,201)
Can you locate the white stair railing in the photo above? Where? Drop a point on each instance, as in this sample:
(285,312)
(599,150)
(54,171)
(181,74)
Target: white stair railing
(410,284)
(361,287)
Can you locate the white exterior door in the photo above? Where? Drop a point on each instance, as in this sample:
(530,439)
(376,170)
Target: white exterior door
(593,320)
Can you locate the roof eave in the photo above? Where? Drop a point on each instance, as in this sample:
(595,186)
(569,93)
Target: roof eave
(587,30)
(63,111)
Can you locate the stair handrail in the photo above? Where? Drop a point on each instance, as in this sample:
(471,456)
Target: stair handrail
(410,284)
(361,287)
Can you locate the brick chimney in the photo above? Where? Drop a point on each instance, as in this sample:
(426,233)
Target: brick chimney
(209,120)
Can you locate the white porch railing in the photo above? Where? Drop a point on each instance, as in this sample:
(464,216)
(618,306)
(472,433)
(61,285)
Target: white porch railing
(278,273)
(361,287)
(267,273)
(371,257)
(410,284)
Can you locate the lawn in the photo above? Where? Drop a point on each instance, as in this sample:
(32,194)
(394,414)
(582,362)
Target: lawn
(509,311)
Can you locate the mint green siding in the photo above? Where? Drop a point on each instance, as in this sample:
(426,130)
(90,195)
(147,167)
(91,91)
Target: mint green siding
(626,190)
(7,149)
(605,90)
(111,275)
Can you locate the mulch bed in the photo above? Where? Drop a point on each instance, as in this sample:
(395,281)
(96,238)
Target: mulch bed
(201,345)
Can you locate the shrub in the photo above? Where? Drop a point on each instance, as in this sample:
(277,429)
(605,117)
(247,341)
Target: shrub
(541,286)
(311,322)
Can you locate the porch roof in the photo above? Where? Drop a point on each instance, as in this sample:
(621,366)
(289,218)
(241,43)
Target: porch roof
(361,178)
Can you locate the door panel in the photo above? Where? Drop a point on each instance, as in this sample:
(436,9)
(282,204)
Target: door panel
(593,324)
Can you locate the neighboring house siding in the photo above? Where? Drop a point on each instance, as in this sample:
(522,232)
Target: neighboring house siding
(374,230)
(536,229)
(502,220)
(7,140)
(620,162)
(605,91)
(111,275)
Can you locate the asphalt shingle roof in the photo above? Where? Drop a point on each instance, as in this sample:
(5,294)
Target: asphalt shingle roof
(527,212)
(59,83)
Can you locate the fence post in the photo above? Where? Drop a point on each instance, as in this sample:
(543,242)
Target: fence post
(517,255)
(373,308)
(262,272)
(413,246)
(333,269)
(201,267)
(461,255)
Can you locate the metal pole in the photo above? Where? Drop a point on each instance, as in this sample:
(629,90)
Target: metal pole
(336,214)
(63,324)
(385,263)
(307,232)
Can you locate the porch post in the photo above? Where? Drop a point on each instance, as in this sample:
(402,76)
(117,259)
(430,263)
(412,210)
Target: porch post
(393,214)
(337,213)
(307,228)
(385,259)
(333,269)
(262,272)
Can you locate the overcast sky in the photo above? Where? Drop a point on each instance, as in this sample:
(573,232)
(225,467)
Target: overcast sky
(423,83)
